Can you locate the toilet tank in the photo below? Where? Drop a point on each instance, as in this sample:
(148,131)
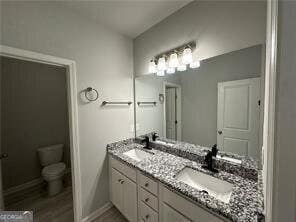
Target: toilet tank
(50,154)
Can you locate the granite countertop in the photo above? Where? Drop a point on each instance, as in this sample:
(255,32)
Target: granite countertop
(245,202)
(248,168)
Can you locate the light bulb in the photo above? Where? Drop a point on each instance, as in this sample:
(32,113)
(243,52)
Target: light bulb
(152,66)
(182,68)
(161,66)
(195,64)
(174,62)
(170,70)
(187,56)
(160,73)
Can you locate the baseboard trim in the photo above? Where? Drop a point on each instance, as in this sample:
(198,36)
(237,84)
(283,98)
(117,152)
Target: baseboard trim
(97,212)
(22,187)
(27,185)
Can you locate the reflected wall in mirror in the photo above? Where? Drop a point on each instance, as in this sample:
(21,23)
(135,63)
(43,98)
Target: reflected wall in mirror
(221,101)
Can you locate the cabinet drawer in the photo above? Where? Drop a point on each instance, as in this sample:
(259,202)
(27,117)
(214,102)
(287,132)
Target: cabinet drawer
(147,214)
(149,199)
(192,211)
(148,184)
(124,169)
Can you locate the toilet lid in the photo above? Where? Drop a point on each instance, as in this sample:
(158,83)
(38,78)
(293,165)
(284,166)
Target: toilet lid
(54,169)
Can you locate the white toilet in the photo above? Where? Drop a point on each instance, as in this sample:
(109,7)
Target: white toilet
(50,158)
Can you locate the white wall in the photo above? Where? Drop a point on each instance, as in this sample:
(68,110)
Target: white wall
(218,26)
(104,61)
(285,141)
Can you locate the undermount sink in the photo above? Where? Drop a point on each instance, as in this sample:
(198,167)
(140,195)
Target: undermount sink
(213,186)
(137,154)
(230,159)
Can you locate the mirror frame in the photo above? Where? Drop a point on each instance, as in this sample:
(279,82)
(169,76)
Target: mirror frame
(269,108)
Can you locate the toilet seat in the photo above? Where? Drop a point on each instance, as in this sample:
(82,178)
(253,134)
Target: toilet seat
(54,170)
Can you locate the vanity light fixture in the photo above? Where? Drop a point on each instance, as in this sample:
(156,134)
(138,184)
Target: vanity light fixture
(173,62)
(152,66)
(160,73)
(161,65)
(170,70)
(182,68)
(176,59)
(187,56)
(195,64)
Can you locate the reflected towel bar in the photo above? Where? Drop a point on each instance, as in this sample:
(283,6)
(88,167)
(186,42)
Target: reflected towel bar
(146,103)
(116,103)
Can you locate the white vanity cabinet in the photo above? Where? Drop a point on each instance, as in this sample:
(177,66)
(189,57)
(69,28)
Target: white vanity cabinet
(143,199)
(175,208)
(123,190)
(147,198)
(171,215)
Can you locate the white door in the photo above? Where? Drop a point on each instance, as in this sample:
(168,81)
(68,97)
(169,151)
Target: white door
(170,109)
(117,189)
(130,200)
(238,116)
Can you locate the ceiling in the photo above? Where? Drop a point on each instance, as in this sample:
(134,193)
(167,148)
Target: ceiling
(128,17)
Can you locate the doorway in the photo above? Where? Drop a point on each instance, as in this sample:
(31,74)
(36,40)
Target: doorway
(172,111)
(69,86)
(35,137)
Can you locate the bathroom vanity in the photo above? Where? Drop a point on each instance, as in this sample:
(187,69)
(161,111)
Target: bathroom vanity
(154,185)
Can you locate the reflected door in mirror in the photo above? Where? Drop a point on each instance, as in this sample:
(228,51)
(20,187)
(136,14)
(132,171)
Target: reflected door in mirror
(238,116)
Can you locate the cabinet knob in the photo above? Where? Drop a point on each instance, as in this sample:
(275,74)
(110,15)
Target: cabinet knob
(122,181)
(147,199)
(119,180)
(147,216)
(146,184)
(3,155)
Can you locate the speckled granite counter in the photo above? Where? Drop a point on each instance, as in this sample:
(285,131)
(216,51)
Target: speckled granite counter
(247,169)
(246,199)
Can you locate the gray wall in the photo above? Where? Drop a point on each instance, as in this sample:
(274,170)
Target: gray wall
(34,114)
(218,27)
(148,88)
(285,140)
(104,60)
(199,91)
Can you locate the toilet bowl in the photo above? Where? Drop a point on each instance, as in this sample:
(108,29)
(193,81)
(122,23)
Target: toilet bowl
(53,169)
(53,175)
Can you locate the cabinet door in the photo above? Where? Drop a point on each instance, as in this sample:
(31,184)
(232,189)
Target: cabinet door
(117,189)
(130,200)
(171,215)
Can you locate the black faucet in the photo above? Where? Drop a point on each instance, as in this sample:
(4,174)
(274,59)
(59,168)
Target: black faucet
(210,161)
(154,136)
(146,140)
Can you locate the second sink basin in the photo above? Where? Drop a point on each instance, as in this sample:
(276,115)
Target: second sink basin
(215,187)
(137,154)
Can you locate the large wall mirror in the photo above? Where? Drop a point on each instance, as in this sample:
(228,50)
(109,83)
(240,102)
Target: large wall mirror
(221,101)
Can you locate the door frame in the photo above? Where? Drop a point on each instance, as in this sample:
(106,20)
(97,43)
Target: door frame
(70,66)
(179,108)
(269,176)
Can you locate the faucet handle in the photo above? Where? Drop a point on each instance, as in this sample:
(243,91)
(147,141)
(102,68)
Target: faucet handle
(214,150)
(154,136)
(146,138)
